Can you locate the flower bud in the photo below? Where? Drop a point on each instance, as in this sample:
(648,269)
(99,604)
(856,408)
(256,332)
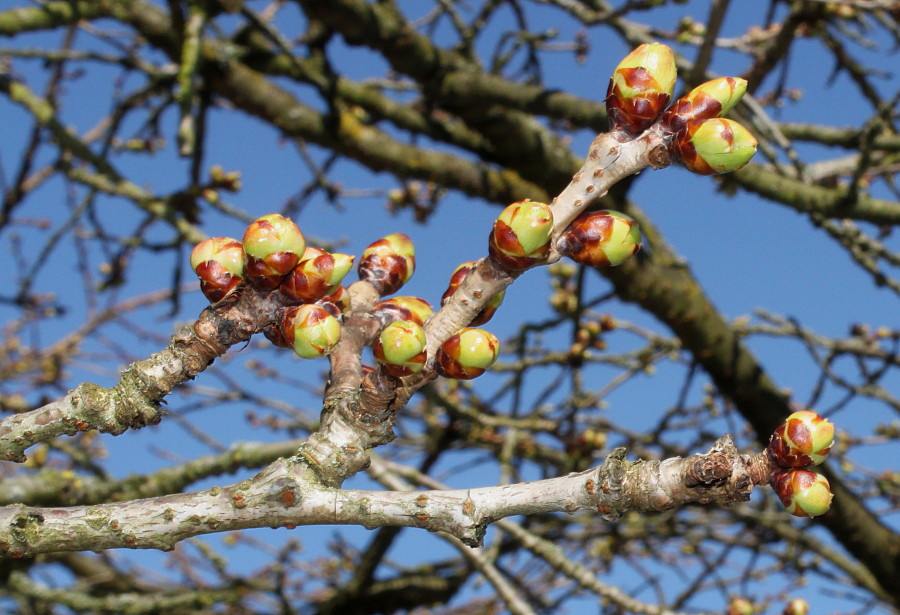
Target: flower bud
(601,239)
(459,274)
(339,299)
(521,235)
(219,263)
(403,308)
(717,145)
(316,277)
(740,606)
(272,248)
(797,606)
(641,88)
(708,100)
(400,349)
(804,493)
(310,330)
(467,354)
(388,263)
(804,439)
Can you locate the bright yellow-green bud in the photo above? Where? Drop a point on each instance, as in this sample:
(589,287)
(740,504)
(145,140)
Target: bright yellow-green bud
(603,238)
(804,493)
(804,439)
(521,235)
(641,87)
(311,331)
(400,348)
(273,246)
(467,354)
(717,145)
(219,263)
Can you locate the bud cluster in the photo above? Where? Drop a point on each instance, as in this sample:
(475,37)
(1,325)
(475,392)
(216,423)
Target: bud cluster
(803,440)
(699,137)
(273,257)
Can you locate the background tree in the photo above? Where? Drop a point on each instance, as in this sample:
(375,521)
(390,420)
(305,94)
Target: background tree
(118,119)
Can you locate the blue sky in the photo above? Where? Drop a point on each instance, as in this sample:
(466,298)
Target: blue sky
(747,253)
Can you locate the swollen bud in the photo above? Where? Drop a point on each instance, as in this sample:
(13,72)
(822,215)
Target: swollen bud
(400,349)
(706,101)
(601,239)
(316,277)
(797,606)
(717,145)
(403,308)
(804,439)
(804,493)
(388,263)
(310,330)
(521,235)
(459,274)
(467,354)
(641,88)
(273,246)
(219,263)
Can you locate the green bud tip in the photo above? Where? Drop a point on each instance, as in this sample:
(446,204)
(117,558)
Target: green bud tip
(271,234)
(804,493)
(602,238)
(804,439)
(717,145)
(401,341)
(311,331)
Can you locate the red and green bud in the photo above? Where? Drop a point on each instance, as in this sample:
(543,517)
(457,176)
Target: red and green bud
(713,146)
(804,439)
(459,274)
(706,101)
(400,349)
(273,246)
(339,299)
(601,239)
(467,354)
(310,330)
(403,308)
(316,277)
(804,493)
(641,88)
(521,235)
(388,263)
(219,263)
(797,606)
(740,606)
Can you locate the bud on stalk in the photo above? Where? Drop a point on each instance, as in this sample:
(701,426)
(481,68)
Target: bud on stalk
(316,277)
(641,88)
(310,330)
(521,235)
(804,493)
(400,349)
(459,274)
(219,263)
(403,308)
(273,246)
(804,439)
(388,263)
(717,145)
(706,101)
(602,238)
(467,354)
